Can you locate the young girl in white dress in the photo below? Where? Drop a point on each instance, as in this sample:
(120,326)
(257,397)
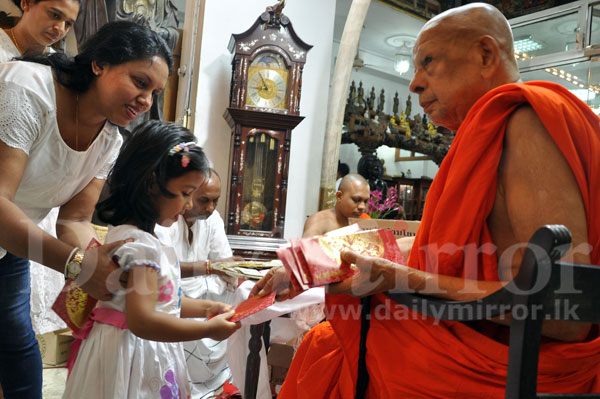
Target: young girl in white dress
(134,348)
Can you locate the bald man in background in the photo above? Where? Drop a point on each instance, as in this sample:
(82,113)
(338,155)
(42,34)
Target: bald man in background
(352,198)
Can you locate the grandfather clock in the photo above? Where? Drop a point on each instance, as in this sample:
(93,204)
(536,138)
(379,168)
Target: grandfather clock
(263,109)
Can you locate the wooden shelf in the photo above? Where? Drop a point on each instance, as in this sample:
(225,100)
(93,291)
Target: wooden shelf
(411,194)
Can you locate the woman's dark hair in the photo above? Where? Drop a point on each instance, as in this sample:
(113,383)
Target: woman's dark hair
(145,160)
(18,3)
(115,43)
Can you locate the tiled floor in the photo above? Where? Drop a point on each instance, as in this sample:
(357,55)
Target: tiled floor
(54,383)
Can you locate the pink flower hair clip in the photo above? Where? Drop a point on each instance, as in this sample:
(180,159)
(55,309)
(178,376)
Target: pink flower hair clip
(185,147)
(185,160)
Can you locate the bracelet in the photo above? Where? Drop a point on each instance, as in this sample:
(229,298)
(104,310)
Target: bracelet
(207,267)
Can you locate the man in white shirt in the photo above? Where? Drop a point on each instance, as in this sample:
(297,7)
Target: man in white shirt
(199,238)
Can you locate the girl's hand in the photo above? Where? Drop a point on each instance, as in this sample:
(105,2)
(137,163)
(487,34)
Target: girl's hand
(217,308)
(220,328)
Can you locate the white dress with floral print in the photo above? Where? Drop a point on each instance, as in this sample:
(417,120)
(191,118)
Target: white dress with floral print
(114,363)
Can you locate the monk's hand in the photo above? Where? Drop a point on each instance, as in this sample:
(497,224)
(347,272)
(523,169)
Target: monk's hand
(405,244)
(278,280)
(100,277)
(375,275)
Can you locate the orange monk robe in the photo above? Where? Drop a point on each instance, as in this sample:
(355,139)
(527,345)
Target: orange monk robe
(412,356)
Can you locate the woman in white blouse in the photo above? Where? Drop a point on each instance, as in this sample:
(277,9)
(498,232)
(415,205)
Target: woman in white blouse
(58,140)
(44,22)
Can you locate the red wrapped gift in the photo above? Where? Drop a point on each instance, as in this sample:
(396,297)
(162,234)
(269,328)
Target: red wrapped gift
(316,261)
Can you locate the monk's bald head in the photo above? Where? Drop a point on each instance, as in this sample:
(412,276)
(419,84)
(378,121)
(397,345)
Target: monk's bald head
(459,56)
(465,24)
(352,197)
(350,180)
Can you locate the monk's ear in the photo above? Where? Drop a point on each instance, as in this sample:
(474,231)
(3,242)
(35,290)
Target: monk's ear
(489,53)
(338,195)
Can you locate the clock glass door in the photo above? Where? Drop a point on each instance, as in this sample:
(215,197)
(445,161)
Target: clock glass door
(267,82)
(260,169)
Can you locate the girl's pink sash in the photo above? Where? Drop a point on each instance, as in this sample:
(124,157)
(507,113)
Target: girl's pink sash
(101,315)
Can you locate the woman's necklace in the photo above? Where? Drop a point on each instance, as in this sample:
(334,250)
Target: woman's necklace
(14,39)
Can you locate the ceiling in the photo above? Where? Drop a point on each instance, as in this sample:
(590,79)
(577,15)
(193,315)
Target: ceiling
(381,23)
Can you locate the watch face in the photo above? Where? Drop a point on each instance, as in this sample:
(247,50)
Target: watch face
(74,267)
(267,82)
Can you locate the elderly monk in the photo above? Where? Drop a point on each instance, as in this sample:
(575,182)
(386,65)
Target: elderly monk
(525,155)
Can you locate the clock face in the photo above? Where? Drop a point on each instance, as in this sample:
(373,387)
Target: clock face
(267,82)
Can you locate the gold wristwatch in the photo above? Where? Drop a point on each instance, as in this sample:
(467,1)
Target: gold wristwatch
(73,266)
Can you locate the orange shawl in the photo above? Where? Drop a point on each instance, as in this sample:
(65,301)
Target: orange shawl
(411,356)
(463,191)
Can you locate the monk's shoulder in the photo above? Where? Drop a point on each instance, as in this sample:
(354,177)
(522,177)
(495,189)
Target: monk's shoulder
(528,147)
(535,183)
(319,223)
(323,215)
(524,127)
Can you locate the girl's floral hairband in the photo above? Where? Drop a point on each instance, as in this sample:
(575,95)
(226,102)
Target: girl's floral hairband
(185,147)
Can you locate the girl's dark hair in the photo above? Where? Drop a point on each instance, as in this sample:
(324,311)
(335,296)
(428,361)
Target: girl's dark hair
(144,161)
(115,43)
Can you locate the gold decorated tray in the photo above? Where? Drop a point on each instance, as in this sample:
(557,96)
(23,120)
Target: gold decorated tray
(251,270)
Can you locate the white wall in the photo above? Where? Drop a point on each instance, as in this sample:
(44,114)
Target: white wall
(313,22)
(10,8)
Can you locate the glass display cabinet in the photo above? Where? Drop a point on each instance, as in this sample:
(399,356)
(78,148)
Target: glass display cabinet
(411,194)
(562,45)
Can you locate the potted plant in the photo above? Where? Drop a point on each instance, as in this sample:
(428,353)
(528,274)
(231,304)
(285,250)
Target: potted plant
(388,208)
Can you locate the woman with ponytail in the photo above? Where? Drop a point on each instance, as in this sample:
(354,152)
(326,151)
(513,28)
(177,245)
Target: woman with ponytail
(59,119)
